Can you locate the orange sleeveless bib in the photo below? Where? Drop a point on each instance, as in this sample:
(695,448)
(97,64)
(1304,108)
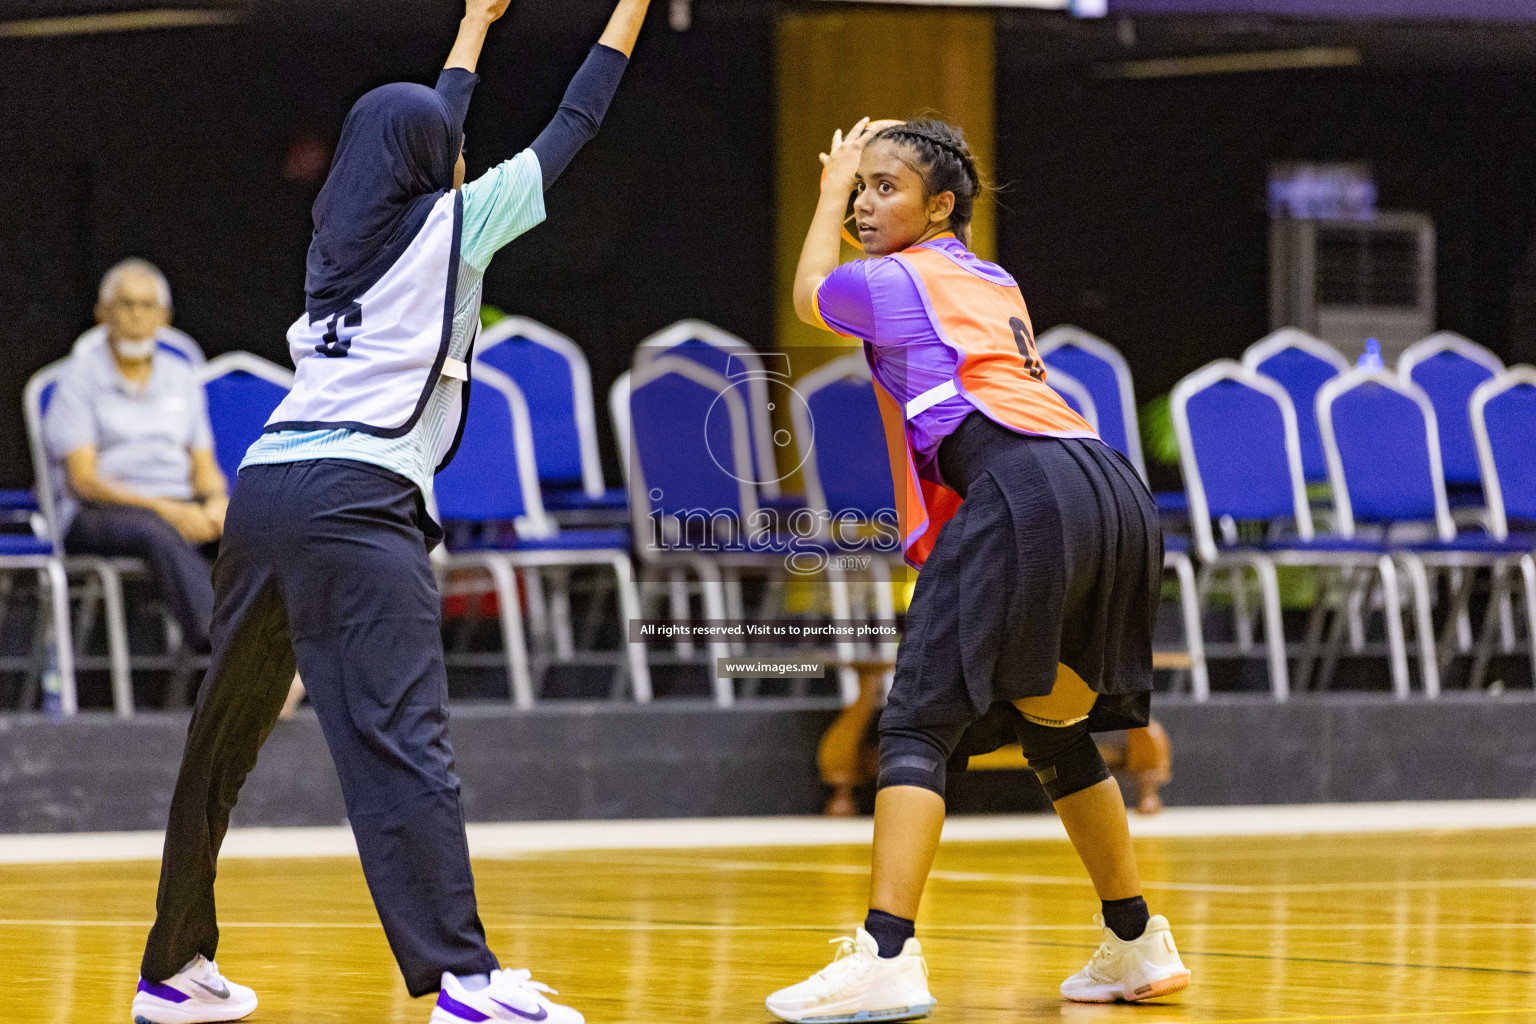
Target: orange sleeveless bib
(1001,374)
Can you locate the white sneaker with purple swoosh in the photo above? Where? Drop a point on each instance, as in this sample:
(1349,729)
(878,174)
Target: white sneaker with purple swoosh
(196,994)
(511,996)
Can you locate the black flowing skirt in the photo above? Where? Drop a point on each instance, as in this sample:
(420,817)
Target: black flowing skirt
(1055,556)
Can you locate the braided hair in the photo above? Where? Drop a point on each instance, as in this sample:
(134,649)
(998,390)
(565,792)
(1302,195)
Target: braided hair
(945,163)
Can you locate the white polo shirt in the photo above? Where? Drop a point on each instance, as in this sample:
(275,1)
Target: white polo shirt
(143,434)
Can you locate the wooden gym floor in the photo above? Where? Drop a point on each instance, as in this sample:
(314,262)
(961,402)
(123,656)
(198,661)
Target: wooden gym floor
(1429,926)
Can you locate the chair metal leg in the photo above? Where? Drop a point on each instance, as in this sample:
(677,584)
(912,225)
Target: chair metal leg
(847,650)
(1528,573)
(537,609)
(714,608)
(1333,646)
(1452,638)
(1461,583)
(1484,648)
(678,593)
(1397,647)
(735,605)
(629,608)
(512,637)
(117,638)
(54,578)
(1424,625)
(1242,618)
(1194,630)
(1355,613)
(1316,620)
(1274,627)
(1507,623)
(560,613)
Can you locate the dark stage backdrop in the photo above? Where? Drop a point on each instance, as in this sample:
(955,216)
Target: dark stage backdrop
(1135,209)
(187,147)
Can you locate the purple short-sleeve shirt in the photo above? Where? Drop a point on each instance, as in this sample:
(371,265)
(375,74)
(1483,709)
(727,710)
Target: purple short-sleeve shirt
(906,353)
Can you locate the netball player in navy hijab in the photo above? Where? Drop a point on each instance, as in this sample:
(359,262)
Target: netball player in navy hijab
(325,556)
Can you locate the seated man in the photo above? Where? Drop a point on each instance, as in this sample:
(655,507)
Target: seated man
(132,447)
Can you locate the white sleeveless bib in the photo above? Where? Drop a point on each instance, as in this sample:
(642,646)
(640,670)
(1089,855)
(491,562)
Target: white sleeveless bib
(373,366)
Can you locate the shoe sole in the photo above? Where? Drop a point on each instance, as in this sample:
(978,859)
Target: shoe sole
(898,1013)
(139,1018)
(1152,990)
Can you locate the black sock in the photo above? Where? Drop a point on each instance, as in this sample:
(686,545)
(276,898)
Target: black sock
(1126,918)
(890,931)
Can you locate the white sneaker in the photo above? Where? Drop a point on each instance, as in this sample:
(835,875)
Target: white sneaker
(859,986)
(511,995)
(196,994)
(1143,968)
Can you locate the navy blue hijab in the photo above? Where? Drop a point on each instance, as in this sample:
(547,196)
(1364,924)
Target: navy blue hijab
(398,148)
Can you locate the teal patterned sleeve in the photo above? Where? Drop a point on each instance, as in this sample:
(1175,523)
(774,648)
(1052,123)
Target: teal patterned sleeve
(499,205)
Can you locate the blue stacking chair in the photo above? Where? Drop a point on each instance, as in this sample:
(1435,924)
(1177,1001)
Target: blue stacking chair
(493,483)
(1302,364)
(554,376)
(1503,422)
(171,340)
(1104,374)
(243,390)
(1095,380)
(848,483)
(1449,368)
(1241,455)
(1383,445)
(28,552)
(684,433)
(1077,396)
(742,365)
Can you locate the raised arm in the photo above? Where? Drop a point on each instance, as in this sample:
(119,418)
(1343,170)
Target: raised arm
(586,100)
(823,248)
(624,26)
(479,15)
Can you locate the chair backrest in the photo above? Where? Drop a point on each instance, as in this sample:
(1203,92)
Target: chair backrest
(35,399)
(556,380)
(1504,422)
(1103,371)
(242,391)
(737,361)
(1076,394)
(691,447)
(172,342)
(1302,364)
(1449,368)
(494,475)
(842,441)
(618,415)
(1239,450)
(1383,452)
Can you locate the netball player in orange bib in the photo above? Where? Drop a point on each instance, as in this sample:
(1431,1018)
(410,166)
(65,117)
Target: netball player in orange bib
(1041,561)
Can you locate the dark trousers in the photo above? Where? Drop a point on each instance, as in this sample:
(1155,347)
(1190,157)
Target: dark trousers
(325,563)
(179,570)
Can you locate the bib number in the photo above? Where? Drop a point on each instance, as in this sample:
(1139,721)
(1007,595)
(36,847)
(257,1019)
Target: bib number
(1026,342)
(332,344)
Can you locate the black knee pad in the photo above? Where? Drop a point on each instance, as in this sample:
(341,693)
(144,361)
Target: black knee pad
(1064,758)
(911,756)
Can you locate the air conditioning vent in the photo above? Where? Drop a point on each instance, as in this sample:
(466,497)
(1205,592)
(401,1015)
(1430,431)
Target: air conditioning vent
(1357,266)
(1349,280)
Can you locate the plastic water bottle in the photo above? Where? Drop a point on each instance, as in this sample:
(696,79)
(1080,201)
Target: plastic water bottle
(1372,360)
(53,683)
